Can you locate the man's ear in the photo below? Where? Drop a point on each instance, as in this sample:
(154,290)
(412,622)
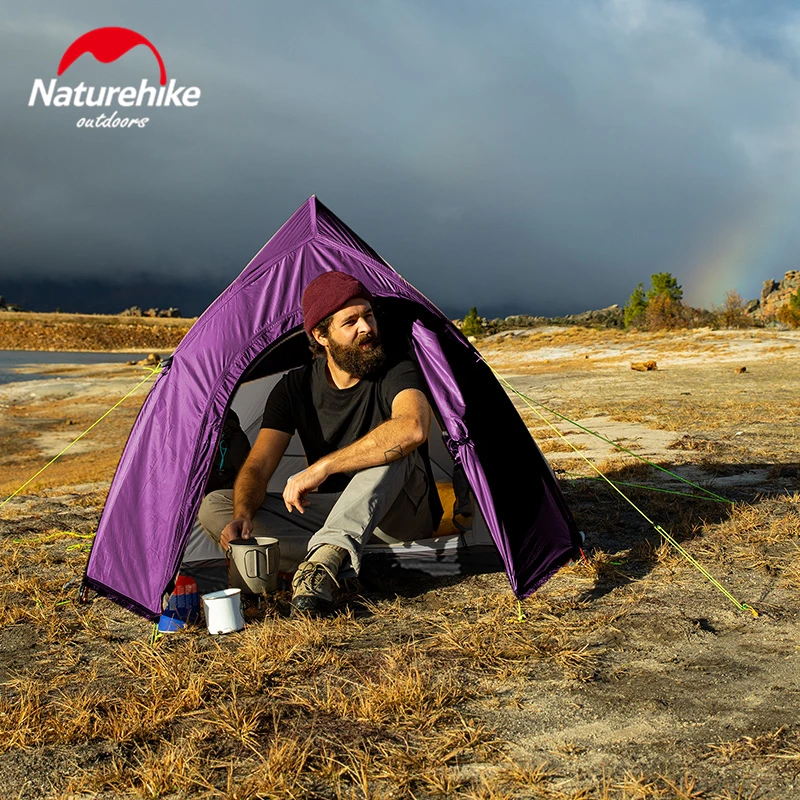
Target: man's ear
(319,338)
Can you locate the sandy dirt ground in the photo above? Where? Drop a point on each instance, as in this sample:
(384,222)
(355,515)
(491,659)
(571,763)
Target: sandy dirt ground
(630,676)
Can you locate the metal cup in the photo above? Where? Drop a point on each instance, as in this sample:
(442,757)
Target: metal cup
(254,564)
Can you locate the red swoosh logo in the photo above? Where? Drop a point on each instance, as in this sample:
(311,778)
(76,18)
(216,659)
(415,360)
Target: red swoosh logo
(107,45)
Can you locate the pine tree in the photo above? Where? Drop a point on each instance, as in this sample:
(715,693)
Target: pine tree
(635,307)
(664,284)
(471,326)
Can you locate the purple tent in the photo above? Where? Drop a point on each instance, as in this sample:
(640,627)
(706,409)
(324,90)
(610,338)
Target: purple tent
(254,328)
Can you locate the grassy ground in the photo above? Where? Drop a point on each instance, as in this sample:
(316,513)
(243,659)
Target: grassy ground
(630,676)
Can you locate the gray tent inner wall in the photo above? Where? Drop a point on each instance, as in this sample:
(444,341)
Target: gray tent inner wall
(434,556)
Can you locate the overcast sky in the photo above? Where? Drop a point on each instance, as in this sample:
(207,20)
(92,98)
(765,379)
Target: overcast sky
(521,156)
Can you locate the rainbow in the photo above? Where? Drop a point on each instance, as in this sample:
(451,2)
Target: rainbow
(741,255)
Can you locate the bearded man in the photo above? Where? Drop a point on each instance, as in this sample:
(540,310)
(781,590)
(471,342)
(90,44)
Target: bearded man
(363,420)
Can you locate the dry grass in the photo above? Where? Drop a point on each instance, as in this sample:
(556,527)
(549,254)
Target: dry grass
(94,319)
(442,691)
(688,442)
(30,330)
(345,707)
(537,782)
(781,743)
(558,445)
(763,537)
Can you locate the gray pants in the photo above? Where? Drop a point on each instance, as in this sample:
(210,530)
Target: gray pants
(388,503)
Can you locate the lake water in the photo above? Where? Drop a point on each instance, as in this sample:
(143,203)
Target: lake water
(9,359)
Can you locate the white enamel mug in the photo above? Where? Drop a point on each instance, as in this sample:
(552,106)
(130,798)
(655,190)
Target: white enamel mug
(223,611)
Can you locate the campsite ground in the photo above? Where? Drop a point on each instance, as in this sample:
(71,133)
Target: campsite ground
(631,675)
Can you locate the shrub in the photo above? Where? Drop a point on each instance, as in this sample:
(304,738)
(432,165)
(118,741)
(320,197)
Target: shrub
(790,313)
(732,313)
(663,312)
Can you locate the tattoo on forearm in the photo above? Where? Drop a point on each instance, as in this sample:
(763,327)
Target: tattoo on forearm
(387,454)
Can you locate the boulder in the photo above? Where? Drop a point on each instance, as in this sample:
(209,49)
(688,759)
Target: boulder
(644,366)
(752,306)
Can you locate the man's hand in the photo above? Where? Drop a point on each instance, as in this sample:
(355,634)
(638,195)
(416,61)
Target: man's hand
(238,529)
(300,484)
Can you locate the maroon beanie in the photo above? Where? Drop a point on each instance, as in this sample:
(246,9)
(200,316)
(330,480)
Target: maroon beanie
(327,294)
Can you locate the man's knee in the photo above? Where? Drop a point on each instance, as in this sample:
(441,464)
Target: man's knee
(216,511)
(396,474)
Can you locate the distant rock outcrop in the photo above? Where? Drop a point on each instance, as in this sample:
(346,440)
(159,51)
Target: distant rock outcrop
(610,317)
(135,311)
(8,306)
(775,295)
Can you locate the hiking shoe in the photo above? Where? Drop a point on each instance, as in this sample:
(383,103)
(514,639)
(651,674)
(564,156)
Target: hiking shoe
(312,589)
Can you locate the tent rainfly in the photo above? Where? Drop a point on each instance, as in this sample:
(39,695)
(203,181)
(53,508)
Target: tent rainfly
(253,331)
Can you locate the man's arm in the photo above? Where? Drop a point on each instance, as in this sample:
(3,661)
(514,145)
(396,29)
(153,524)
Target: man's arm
(406,430)
(250,488)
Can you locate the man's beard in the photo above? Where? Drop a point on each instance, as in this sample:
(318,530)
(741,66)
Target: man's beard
(355,359)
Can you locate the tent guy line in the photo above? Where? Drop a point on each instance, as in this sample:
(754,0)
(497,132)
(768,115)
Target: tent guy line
(152,371)
(712,495)
(528,401)
(667,536)
(573,477)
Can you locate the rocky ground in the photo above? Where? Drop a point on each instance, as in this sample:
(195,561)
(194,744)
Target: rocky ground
(630,676)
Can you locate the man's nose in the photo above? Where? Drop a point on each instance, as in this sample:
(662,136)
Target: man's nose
(363,326)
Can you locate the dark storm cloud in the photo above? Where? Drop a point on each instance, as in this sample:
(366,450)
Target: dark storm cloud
(522,157)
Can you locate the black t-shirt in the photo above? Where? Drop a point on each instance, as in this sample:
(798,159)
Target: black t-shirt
(328,419)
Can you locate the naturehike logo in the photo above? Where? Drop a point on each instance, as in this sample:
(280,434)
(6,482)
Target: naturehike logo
(108,45)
